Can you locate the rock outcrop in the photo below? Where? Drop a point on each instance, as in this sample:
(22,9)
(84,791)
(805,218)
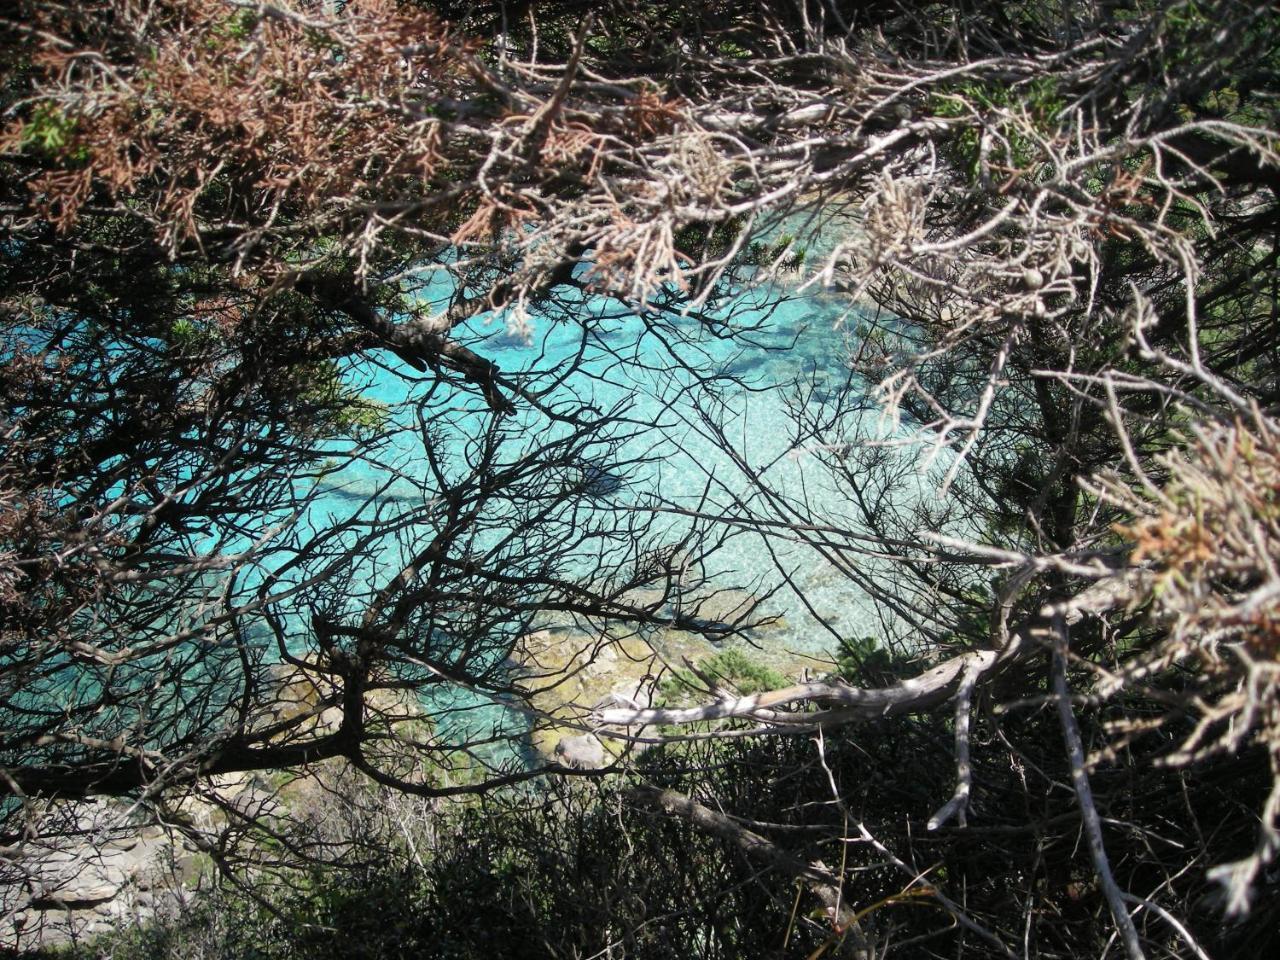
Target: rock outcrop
(115,868)
(567,672)
(585,752)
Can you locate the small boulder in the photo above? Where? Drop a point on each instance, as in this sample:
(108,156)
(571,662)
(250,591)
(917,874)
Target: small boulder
(585,752)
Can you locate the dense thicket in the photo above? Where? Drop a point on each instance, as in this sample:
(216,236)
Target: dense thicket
(1057,224)
(585,871)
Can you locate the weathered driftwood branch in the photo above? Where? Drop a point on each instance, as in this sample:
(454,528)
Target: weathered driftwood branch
(956,677)
(958,805)
(935,686)
(1084,796)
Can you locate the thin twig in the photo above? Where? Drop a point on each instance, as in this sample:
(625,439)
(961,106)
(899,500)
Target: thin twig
(1084,795)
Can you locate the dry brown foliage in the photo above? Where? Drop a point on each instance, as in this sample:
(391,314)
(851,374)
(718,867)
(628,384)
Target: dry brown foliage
(1210,540)
(282,115)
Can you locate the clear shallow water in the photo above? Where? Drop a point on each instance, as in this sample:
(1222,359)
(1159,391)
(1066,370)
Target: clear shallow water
(684,393)
(693,407)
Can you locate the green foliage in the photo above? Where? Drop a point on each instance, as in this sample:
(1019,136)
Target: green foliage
(714,238)
(865,662)
(572,869)
(321,386)
(187,336)
(733,50)
(782,251)
(238,25)
(241,23)
(731,668)
(1018,115)
(49,132)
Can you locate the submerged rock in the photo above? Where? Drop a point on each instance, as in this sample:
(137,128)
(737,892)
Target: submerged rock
(599,482)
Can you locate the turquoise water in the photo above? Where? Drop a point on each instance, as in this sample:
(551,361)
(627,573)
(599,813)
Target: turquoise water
(692,409)
(693,405)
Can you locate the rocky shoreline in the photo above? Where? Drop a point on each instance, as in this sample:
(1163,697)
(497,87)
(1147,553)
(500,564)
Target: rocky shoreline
(567,672)
(123,866)
(87,867)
